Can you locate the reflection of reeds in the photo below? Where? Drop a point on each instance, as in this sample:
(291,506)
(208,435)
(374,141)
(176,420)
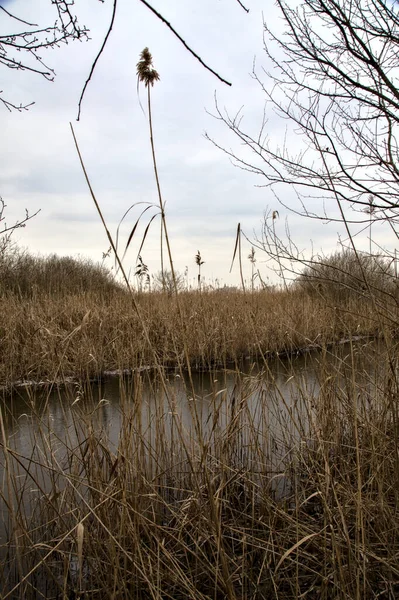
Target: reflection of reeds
(297,492)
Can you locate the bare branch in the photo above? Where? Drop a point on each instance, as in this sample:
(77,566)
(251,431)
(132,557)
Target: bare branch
(334,82)
(21,50)
(173,30)
(17,18)
(242,6)
(97,59)
(7,230)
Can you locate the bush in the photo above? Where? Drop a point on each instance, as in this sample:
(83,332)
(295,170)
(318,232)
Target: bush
(345,274)
(164,282)
(25,274)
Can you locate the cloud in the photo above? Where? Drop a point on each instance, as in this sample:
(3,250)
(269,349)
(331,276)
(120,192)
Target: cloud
(205,195)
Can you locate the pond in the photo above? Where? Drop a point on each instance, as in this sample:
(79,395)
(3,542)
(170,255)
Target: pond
(248,418)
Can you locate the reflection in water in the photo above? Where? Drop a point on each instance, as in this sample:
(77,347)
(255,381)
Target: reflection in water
(251,416)
(40,423)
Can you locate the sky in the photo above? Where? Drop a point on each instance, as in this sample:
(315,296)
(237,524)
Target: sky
(205,195)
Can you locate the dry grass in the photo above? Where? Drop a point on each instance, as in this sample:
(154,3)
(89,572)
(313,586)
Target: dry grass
(66,317)
(268,495)
(85,334)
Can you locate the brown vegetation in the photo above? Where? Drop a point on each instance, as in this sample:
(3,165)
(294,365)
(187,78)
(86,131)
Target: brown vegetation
(62,317)
(268,494)
(348,274)
(272,496)
(259,489)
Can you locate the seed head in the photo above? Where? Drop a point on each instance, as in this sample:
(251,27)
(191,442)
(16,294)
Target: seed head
(145,69)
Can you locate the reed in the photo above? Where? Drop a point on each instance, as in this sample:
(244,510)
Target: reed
(262,487)
(276,495)
(83,334)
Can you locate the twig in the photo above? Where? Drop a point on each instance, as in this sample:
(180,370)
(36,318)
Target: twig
(242,6)
(93,66)
(152,9)
(18,19)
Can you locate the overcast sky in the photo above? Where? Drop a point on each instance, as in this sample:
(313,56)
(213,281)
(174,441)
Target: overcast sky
(205,195)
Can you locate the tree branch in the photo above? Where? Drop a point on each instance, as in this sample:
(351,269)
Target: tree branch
(161,18)
(93,66)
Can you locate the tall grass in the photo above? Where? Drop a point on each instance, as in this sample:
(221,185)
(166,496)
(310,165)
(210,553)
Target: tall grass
(247,492)
(84,333)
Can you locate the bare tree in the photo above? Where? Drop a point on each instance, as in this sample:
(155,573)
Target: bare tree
(339,276)
(333,76)
(163,282)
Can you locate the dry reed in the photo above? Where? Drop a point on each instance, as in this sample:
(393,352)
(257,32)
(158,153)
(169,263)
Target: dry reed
(266,494)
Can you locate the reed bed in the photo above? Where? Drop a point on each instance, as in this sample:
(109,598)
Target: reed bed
(84,334)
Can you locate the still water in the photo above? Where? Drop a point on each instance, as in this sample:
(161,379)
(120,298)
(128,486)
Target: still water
(241,414)
(271,401)
(42,421)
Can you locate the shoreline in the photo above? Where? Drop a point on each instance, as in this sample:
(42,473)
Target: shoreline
(31,384)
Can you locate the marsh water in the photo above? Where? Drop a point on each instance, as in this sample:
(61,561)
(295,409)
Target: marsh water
(272,402)
(46,421)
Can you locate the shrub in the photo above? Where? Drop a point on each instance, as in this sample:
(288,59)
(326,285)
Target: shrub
(345,274)
(25,274)
(164,282)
